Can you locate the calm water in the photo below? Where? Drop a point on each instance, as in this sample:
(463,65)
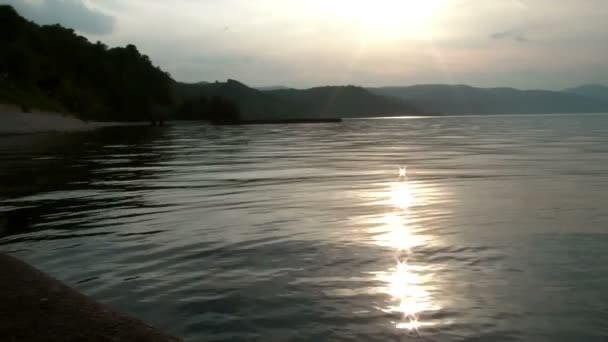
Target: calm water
(499,232)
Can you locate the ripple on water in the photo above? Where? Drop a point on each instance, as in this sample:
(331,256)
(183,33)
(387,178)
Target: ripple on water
(308,232)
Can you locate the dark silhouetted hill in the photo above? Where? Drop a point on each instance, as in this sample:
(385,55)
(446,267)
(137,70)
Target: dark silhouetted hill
(322,102)
(341,101)
(462,99)
(252,103)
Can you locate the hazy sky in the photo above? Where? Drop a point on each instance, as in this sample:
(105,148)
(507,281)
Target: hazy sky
(522,43)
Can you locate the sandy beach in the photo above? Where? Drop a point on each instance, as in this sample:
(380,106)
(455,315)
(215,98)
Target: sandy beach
(14,121)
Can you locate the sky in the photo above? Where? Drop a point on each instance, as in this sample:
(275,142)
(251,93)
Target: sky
(528,44)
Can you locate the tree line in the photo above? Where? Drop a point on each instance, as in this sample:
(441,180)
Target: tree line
(51,67)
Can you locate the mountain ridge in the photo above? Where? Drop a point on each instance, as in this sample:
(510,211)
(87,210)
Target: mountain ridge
(597,91)
(318,102)
(465,99)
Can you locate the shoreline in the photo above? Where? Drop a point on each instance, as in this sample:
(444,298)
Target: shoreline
(36,307)
(15,122)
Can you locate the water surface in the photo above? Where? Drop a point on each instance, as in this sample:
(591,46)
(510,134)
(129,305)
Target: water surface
(499,231)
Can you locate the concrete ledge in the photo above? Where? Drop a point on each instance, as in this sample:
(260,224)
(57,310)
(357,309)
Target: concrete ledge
(36,307)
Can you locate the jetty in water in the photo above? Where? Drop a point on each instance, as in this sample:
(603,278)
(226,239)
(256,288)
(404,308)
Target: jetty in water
(277,121)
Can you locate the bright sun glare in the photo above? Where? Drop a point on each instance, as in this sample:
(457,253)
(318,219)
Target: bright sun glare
(392,18)
(409,284)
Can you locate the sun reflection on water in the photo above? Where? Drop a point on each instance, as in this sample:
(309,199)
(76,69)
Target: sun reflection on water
(408,283)
(401,196)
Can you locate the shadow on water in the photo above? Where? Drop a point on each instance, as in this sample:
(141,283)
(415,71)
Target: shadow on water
(52,173)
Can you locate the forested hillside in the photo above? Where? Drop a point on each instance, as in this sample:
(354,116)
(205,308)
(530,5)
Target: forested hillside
(51,67)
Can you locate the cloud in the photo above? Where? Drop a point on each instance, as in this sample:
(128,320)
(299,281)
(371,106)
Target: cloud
(516,35)
(305,43)
(226,60)
(76,14)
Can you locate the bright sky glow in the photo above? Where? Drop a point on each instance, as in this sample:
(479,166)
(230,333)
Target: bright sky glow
(302,43)
(391,19)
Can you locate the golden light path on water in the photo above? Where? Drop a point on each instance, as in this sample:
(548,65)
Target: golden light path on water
(409,284)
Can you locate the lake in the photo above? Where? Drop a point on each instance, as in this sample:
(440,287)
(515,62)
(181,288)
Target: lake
(497,232)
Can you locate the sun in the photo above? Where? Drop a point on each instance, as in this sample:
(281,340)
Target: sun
(391,18)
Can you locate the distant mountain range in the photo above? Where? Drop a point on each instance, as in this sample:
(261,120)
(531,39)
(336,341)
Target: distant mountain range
(279,102)
(463,99)
(595,91)
(321,102)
